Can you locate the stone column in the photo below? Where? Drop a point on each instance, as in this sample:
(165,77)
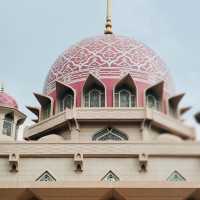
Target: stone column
(75,130)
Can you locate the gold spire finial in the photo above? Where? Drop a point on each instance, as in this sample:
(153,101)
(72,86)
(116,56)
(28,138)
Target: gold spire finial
(2,87)
(108,29)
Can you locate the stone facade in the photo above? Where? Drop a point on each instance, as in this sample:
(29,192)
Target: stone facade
(109,127)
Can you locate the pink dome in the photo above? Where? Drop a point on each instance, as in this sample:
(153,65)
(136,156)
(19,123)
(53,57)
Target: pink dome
(7,101)
(109,58)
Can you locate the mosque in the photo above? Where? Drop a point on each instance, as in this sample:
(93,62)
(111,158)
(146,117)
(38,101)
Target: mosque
(109,126)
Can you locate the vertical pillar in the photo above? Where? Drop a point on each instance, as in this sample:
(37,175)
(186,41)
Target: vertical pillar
(145,129)
(74,130)
(2,115)
(14,136)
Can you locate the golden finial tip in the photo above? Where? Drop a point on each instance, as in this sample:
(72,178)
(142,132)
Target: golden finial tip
(108,29)
(108,25)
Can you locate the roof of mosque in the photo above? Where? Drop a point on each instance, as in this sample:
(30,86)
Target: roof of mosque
(108,57)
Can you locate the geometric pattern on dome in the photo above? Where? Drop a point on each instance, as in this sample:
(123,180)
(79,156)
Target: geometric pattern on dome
(176,177)
(7,100)
(46,177)
(108,56)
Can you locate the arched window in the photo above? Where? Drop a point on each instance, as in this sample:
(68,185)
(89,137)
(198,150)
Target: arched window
(109,134)
(125,93)
(152,102)
(66,102)
(46,103)
(93,93)
(8,124)
(94,98)
(154,96)
(125,98)
(65,96)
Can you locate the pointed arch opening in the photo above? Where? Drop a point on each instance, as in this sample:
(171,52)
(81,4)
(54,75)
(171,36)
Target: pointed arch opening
(107,134)
(154,96)
(65,96)
(47,105)
(93,93)
(125,93)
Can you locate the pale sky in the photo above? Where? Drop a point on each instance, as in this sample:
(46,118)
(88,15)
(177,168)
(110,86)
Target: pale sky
(34,32)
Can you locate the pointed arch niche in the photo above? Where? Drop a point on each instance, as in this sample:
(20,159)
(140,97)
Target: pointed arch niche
(154,96)
(47,104)
(93,93)
(65,96)
(125,93)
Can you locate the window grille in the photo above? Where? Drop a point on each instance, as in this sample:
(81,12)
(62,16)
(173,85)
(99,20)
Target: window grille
(125,98)
(95,98)
(152,102)
(47,111)
(109,134)
(67,102)
(7,127)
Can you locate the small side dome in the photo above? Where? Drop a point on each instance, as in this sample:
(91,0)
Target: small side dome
(51,138)
(168,138)
(6,100)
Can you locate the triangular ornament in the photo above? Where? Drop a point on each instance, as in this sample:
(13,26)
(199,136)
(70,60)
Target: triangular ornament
(46,177)
(110,177)
(176,177)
